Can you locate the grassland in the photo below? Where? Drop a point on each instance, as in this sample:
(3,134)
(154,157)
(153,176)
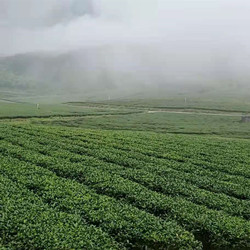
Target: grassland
(198,118)
(138,174)
(10,109)
(197,124)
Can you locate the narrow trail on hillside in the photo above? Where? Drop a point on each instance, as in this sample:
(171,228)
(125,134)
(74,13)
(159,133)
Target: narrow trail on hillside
(192,113)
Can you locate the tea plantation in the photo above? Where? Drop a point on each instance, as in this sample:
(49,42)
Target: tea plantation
(72,188)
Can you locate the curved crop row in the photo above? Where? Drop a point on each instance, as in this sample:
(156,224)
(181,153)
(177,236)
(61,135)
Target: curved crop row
(166,184)
(166,158)
(197,153)
(27,223)
(124,222)
(197,218)
(117,157)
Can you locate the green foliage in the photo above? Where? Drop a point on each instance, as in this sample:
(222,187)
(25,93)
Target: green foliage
(138,193)
(123,222)
(28,223)
(187,123)
(9,80)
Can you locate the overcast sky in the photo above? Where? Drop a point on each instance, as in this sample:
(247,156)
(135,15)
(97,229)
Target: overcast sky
(181,40)
(28,25)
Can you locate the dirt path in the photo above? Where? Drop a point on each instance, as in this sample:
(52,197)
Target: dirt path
(193,113)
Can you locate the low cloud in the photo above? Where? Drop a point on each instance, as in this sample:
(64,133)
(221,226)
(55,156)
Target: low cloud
(180,39)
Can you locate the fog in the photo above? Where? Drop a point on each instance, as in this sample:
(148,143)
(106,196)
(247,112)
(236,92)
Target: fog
(162,42)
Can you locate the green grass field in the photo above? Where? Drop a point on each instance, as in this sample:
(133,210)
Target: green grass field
(197,124)
(29,110)
(138,174)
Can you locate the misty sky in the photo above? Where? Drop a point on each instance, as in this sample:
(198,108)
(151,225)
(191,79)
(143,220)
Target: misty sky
(183,38)
(28,25)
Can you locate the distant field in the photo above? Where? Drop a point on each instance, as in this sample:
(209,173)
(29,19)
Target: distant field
(240,104)
(10,109)
(202,117)
(122,189)
(220,124)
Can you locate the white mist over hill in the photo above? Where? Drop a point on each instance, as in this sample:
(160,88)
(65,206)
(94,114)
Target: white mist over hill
(151,42)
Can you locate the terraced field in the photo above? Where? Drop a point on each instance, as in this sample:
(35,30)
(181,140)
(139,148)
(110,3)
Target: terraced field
(69,188)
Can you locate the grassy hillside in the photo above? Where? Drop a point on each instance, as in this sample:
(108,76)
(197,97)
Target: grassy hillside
(102,69)
(57,71)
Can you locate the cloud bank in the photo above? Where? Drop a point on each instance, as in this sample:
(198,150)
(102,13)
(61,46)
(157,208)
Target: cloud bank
(29,25)
(182,40)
